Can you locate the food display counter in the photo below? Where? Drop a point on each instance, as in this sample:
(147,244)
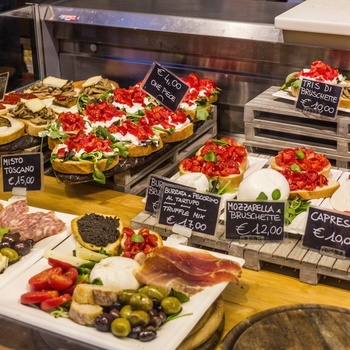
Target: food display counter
(257,291)
(237,45)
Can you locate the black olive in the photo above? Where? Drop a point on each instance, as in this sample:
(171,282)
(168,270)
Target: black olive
(147,335)
(103,322)
(6,244)
(135,332)
(23,247)
(11,238)
(115,313)
(155,321)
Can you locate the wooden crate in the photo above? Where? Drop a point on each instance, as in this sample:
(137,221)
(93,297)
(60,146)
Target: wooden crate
(135,180)
(272,124)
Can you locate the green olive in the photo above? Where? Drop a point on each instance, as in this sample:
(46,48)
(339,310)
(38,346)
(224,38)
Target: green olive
(155,292)
(125,295)
(10,253)
(120,327)
(171,305)
(139,318)
(125,311)
(141,301)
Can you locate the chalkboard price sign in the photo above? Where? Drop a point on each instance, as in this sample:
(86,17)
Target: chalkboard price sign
(4,77)
(328,232)
(185,207)
(22,170)
(255,221)
(153,194)
(319,98)
(164,86)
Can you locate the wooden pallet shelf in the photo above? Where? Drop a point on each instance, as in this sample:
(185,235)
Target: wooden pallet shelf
(272,123)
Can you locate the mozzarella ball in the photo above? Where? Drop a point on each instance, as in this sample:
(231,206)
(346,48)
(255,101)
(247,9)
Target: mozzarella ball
(116,271)
(196,180)
(263,181)
(340,199)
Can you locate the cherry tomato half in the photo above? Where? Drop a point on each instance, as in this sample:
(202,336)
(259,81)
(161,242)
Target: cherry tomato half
(38,296)
(40,280)
(58,263)
(51,303)
(61,281)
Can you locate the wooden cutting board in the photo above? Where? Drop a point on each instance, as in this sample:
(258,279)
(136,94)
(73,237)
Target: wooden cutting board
(297,327)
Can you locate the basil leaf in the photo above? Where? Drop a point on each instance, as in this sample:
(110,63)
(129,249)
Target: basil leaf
(296,168)
(137,238)
(276,194)
(262,197)
(210,157)
(300,154)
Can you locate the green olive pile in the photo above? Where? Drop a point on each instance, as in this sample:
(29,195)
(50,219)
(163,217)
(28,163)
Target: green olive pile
(138,313)
(13,247)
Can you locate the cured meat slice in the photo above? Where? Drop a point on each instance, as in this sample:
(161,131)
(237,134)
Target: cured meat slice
(197,262)
(188,272)
(11,213)
(36,225)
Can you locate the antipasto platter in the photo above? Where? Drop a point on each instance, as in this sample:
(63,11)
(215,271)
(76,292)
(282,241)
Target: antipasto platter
(38,248)
(169,336)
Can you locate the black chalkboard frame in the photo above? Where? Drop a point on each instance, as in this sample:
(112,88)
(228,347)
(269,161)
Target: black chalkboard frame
(24,170)
(166,87)
(193,214)
(328,232)
(242,222)
(4,78)
(310,98)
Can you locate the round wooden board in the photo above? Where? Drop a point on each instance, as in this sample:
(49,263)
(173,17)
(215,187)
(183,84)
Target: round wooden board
(301,326)
(207,332)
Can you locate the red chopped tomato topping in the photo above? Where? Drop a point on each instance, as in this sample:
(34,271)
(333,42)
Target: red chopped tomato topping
(309,161)
(197,85)
(132,247)
(307,180)
(102,112)
(320,71)
(87,142)
(2,106)
(71,121)
(129,96)
(141,132)
(159,115)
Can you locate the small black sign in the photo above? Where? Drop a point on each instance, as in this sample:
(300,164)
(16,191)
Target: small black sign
(185,207)
(255,221)
(328,232)
(319,98)
(154,188)
(4,77)
(22,170)
(164,86)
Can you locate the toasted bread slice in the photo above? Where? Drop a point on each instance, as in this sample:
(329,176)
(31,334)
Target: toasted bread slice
(10,129)
(95,294)
(319,192)
(84,314)
(178,135)
(143,151)
(97,231)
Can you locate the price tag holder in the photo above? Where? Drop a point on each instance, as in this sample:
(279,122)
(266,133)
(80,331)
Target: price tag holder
(186,207)
(22,170)
(164,86)
(4,78)
(328,232)
(255,221)
(319,98)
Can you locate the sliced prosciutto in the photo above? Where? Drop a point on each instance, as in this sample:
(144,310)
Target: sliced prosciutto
(184,271)
(36,225)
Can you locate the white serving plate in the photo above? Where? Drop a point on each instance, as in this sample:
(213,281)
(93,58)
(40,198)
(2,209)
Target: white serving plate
(169,336)
(37,251)
(287,96)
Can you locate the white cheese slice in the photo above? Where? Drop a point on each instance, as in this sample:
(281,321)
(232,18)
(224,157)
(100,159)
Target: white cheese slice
(55,82)
(92,81)
(35,105)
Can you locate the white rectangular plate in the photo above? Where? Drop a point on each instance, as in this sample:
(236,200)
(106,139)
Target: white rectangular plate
(37,251)
(169,336)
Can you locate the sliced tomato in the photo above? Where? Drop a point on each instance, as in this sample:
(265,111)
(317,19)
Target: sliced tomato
(64,280)
(34,297)
(51,303)
(40,280)
(58,263)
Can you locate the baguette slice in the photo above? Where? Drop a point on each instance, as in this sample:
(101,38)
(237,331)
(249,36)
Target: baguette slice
(84,314)
(178,135)
(93,294)
(96,231)
(10,129)
(319,192)
(81,166)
